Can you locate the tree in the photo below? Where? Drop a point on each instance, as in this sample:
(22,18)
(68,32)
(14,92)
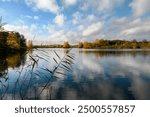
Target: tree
(23,42)
(87,45)
(2,24)
(66,44)
(144,41)
(80,45)
(3,38)
(13,40)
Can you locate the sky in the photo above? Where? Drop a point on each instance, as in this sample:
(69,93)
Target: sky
(56,21)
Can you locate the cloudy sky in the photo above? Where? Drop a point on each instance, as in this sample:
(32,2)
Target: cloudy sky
(56,21)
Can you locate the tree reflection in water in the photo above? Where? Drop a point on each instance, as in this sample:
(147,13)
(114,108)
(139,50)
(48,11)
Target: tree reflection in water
(11,61)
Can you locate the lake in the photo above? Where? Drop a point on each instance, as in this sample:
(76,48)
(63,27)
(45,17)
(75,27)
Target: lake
(79,74)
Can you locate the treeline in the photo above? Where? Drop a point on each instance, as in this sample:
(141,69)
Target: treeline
(65,45)
(102,44)
(115,44)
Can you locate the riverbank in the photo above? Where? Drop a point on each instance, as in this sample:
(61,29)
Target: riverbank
(102,44)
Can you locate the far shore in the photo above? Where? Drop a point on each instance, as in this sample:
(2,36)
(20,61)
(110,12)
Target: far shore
(100,44)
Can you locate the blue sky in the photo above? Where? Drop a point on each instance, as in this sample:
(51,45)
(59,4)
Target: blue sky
(56,21)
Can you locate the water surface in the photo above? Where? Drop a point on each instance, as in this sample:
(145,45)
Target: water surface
(92,74)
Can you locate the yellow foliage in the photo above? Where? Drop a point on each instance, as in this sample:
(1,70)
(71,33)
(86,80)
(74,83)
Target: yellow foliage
(66,44)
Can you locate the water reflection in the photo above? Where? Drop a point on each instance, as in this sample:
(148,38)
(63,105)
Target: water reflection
(115,52)
(96,74)
(10,61)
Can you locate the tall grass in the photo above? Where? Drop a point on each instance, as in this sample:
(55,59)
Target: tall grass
(26,85)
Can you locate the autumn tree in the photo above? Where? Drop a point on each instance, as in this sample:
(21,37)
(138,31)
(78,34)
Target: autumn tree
(87,45)
(13,40)
(80,45)
(66,44)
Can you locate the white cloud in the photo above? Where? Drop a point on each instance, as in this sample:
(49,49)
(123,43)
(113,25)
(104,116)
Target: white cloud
(50,28)
(137,31)
(32,17)
(46,5)
(91,17)
(101,5)
(60,19)
(80,27)
(28,16)
(23,29)
(69,2)
(129,28)
(140,7)
(58,37)
(33,27)
(95,20)
(27,31)
(76,17)
(58,34)
(92,29)
(36,17)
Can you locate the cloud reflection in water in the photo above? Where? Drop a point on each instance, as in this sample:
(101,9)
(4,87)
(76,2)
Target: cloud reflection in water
(97,74)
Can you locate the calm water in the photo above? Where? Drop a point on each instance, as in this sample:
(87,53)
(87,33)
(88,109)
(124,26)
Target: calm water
(88,74)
